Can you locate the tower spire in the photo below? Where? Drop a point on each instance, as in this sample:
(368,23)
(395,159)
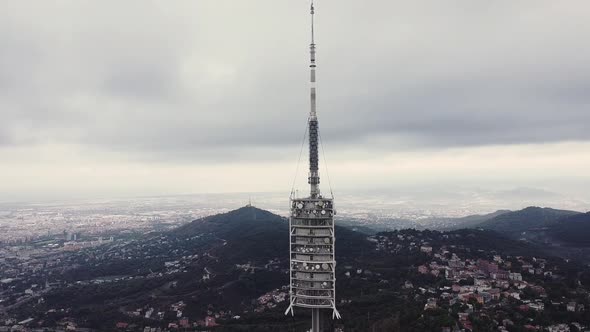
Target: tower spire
(312,14)
(314,175)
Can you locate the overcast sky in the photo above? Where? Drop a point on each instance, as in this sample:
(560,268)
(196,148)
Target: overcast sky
(146,97)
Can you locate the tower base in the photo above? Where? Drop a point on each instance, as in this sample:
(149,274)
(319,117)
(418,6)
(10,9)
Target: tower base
(316,320)
(320,322)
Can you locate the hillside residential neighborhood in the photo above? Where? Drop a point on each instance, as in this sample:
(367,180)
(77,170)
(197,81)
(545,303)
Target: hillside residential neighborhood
(475,284)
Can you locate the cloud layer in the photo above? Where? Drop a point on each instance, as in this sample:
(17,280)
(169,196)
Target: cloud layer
(222,81)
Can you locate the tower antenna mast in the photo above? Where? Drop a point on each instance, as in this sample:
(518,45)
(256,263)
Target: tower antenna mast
(314,175)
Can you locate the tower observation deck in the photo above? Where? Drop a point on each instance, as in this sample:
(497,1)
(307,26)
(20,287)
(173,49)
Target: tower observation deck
(311,225)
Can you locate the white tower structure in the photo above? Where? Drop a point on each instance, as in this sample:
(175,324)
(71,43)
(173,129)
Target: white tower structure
(311,225)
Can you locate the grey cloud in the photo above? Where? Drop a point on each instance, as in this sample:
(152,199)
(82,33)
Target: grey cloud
(213,79)
(137,82)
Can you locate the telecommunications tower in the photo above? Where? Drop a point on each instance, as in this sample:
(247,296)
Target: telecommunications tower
(311,226)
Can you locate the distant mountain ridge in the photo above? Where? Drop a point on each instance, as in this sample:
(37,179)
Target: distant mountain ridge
(472,220)
(530,218)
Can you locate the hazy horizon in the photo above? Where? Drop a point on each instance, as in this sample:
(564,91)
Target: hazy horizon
(406,203)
